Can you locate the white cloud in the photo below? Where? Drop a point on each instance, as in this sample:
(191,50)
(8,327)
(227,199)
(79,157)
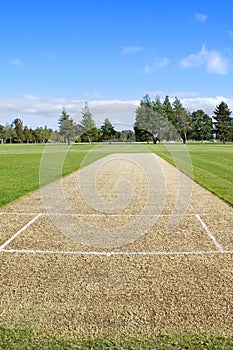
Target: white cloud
(35,111)
(132,50)
(211,59)
(208,104)
(15,62)
(200,17)
(193,100)
(158,63)
(178,94)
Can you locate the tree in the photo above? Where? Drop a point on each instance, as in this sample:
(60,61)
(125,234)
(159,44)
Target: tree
(89,130)
(67,127)
(151,121)
(56,136)
(223,121)
(64,116)
(182,120)
(168,111)
(144,123)
(10,133)
(127,135)
(18,127)
(201,127)
(42,135)
(2,133)
(159,120)
(157,105)
(28,134)
(107,130)
(69,130)
(169,115)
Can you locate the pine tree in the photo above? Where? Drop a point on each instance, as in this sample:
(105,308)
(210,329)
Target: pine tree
(182,120)
(223,121)
(107,130)
(18,127)
(64,116)
(201,127)
(89,130)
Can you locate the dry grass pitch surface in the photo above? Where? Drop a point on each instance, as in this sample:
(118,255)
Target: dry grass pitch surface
(80,260)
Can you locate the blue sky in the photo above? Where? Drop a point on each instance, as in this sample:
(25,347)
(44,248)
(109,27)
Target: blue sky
(57,54)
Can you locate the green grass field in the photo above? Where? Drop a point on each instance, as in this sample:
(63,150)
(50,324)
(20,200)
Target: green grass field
(28,339)
(211,165)
(21,164)
(20,167)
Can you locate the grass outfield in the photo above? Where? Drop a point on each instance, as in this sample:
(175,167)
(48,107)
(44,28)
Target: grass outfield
(212,164)
(20,165)
(28,339)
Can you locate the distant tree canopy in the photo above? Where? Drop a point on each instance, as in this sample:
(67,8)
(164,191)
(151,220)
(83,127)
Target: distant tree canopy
(18,127)
(64,116)
(223,122)
(171,121)
(67,127)
(89,131)
(156,120)
(201,126)
(17,132)
(107,131)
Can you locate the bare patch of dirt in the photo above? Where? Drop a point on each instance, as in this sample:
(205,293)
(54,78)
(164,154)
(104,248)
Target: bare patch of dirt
(94,296)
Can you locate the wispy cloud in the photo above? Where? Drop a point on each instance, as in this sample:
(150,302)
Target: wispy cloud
(15,62)
(158,63)
(207,104)
(35,111)
(211,59)
(132,50)
(173,94)
(200,17)
(193,100)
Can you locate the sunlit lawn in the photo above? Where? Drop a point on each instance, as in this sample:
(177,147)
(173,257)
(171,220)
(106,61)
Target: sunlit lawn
(20,166)
(210,164)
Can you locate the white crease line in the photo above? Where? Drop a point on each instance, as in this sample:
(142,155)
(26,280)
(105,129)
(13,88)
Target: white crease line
(117,215)
(211,236)
(18,213)
(103,253)
(20,231)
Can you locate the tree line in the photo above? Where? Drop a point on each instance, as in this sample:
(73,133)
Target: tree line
(17,132)
(86,130)
(68,131)
(155,120)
